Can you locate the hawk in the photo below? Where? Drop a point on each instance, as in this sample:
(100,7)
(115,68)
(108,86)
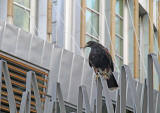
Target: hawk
(101,61)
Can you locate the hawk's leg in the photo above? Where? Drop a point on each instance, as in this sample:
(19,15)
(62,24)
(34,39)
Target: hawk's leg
(96,71)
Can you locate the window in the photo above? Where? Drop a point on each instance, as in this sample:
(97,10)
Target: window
(23,14)
(119,32)
(92,22)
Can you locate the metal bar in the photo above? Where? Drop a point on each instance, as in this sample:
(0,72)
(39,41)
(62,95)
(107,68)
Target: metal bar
(11,99)
(107,96)
(36,93)
(60,97)
(48,106)
(150,83)
(123,91)
(99,97)
(85,95)
(132,86)
(118,103)
(144,103)
(28,89)
(157,66)
(0,79)
(80,101)
(23,102)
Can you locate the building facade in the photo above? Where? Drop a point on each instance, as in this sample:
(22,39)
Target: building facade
(130,29)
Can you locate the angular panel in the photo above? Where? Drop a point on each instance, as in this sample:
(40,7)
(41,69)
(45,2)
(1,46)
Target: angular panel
(36,49)
(54,70)
(155,94)
(139,91)
(22,49)
(9,40)
(158,104)
(65,72)
(47,54)
(75,80)
(87,77)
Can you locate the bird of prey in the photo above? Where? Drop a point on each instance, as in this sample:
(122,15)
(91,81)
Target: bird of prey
(101,61)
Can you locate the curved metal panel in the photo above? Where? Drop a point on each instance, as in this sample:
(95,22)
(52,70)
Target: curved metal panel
(9,40)
(23,43)
(75,79)
(65,72)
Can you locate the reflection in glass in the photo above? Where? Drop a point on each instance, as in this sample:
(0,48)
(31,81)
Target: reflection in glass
(93,4)
(92,23)
(119,7)
(119,46)
(119,26)
(21,18)
(25,3)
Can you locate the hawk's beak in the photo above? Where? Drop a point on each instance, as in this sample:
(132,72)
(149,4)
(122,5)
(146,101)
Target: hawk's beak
(86,46)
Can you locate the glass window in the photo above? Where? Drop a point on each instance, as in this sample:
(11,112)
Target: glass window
(93,4)
(21,14)
(119,46)
(119,7)
(92,23)
(119,33)
(21,18)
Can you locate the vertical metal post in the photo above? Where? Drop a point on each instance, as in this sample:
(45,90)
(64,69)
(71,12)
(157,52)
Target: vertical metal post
(107,96)
(36,93)
(23,106)
(99,97)
(48,106)
(123,91)
(144,103)
(150,83)
(80,101)
(118,103)
(60,97)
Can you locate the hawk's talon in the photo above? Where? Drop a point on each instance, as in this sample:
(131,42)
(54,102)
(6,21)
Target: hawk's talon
(97,76)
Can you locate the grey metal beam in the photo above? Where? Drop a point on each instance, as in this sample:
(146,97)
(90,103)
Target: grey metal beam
(144,98)
(118,103)
(11,99)
(23,103)
(83,95)
(107,95)
(60,98)
(48,106)
(150,84)
(123,91)
(132,86)
(99,96)
(36,93)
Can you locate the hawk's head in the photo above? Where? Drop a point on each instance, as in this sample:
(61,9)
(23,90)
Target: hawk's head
(91,44)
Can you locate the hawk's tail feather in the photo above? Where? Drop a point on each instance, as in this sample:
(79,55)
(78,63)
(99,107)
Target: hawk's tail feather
(112,83)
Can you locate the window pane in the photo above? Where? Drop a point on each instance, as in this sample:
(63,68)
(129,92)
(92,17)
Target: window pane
(25,3)
(87,50)
(93,4)
(119,26)
(21,18)
(92,23)
(119,7)
(119,46)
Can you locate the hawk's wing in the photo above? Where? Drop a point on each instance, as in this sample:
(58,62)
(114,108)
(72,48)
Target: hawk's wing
(109,57)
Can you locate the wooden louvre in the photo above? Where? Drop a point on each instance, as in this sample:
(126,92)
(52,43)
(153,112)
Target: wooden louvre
(18,71)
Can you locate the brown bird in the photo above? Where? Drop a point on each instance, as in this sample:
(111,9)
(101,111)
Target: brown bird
(101,61)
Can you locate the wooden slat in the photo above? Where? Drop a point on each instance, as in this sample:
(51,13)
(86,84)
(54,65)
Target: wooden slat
(24,72)
(112,28)
(151,40)
(17,105)
(136,38)
(23,65)
(20,92)
(24,79)
(83,23)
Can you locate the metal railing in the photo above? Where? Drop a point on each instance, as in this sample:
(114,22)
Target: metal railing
(145,105)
